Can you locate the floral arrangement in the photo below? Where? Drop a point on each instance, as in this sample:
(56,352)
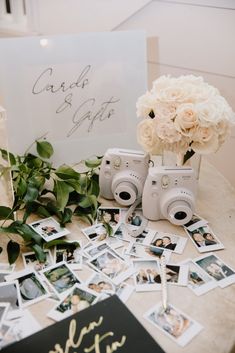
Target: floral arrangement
(183,115)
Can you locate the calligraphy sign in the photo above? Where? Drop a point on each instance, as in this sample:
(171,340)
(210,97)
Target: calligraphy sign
(78,90)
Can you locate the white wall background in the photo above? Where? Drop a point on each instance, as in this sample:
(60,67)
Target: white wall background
(188,36)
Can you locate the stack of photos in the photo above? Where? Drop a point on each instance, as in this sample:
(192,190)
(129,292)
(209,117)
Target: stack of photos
(148,275)
(111,264)
(174,323)
(49,229)
(198,280)
(202,236)
(103,286)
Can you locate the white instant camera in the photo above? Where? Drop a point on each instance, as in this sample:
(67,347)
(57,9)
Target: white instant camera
(122,175)
(169,193)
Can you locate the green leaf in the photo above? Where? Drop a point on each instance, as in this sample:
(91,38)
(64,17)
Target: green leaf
(22,187)
(87,201)
(44,149)
(13,251)
(94,188)
(43,212)
(66,216)
(65,172)
(31,194)
(8,156)
(93,163)
(6,213)
(40,254)
(62,194)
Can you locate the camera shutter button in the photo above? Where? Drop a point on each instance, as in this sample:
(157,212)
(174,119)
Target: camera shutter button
(165,181)
(117,162)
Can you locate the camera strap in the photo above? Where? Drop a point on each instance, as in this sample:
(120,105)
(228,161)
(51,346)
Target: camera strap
(134,232)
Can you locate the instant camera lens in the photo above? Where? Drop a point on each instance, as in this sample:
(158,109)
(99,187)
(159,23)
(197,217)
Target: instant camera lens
(180,215)
(124,195)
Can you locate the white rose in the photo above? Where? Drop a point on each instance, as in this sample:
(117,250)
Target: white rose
(174,94)
(165,110)
(166,131)
(205,140)
(209,113)
(223,129)
(186,119)
(145,105)
(146,136)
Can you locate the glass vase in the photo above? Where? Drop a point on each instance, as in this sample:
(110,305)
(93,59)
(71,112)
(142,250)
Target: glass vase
(172,159)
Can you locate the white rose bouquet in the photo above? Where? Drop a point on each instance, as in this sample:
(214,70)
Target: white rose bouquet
(183,115)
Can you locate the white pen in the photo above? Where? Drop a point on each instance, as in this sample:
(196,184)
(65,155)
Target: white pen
(163,282)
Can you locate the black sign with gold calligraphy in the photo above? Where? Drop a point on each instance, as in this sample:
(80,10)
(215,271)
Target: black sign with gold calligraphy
(106,327)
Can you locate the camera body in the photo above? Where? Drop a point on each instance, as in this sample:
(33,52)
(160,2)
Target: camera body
(169,193)
(122,175)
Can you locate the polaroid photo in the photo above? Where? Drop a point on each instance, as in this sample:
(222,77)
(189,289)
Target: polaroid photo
(204,239)
(49,229)
(217,269)
(4,331)
(23,327)
(70,253)
(10,293)
(195,223)
(6,267)
(2,276)
(147,276)
(177,274)
(110,215)
(147,252)
(112,266)
(122,233)
(134,219)
(79,298)
(174,323)
(31,287)
(100,284)
(31,262)
(97,248)
(98,232)
(60,278)
(198,280)
(169,241)
(3,311)
(124,291)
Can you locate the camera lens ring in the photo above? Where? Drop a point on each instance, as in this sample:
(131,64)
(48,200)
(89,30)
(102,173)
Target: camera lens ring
(183,211)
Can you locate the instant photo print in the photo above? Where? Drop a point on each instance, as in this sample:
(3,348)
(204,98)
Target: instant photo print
(167,241)
(173,323)
(49,229)
(204,239)
(216,269)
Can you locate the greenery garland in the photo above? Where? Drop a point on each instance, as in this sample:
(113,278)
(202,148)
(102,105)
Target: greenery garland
(41,189)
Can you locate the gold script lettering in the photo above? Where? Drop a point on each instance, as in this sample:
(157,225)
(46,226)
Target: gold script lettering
(97,340)
(115,345)
(72,330)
